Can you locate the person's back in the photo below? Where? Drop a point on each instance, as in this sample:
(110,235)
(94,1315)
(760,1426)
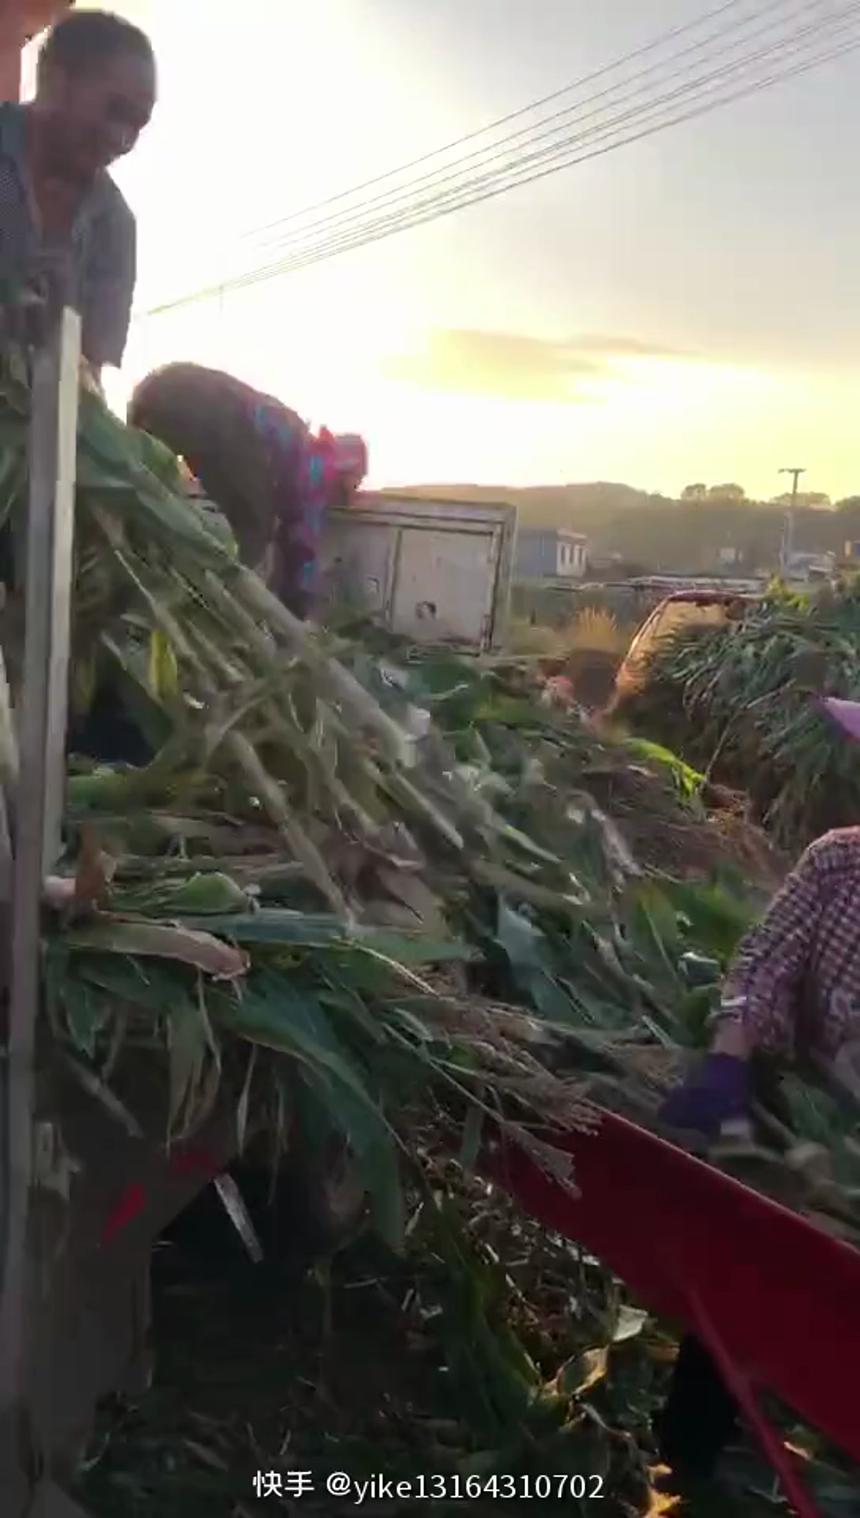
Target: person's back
(261,465)
(215,423)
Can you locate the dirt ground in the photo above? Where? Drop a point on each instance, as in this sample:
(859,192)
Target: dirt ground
(297,1366)
(297,1369)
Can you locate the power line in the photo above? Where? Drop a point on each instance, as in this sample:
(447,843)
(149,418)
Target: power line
(553,145)
(338,224)
(560,157)
(382,215)
(539,127)
(269,254)
(432,210)
(534,105)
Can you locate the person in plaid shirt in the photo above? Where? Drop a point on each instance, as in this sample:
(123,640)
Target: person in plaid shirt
(794,986)
(793,990)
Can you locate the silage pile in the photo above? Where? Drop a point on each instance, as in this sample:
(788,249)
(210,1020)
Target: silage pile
(741,703)
(389,881)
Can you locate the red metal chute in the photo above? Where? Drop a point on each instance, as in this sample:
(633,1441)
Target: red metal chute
(774,1299)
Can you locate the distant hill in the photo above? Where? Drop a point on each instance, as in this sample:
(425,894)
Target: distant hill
(659,533)
(594,509)
(573,506)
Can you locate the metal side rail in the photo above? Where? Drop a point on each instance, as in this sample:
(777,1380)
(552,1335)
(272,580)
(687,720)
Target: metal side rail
(35,833)
(81,1199)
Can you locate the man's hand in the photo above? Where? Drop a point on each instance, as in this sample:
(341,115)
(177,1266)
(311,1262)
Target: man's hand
(717,1092)
(91,378)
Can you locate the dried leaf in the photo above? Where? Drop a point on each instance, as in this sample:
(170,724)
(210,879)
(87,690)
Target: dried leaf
(115,935)
(583,1372)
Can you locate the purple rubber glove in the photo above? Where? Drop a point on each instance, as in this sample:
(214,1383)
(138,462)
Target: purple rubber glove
(715,1093)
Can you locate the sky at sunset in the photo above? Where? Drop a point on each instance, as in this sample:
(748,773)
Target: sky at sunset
(684,308)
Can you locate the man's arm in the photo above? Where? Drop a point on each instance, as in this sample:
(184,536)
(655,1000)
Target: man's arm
(108,285)
(760,997)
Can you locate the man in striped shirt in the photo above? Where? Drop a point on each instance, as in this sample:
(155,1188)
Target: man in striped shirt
(58,205)
(794,986)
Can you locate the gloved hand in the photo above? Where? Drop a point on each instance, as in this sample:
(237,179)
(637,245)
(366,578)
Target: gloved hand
(717,1092)
(844,1071)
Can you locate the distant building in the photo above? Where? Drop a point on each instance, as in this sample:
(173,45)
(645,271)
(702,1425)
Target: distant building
(550,553)
(811,566)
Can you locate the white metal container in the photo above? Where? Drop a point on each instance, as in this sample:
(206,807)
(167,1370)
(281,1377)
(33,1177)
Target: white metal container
(434,571)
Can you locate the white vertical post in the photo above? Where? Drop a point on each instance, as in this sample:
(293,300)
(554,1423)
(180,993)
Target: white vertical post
(38,811)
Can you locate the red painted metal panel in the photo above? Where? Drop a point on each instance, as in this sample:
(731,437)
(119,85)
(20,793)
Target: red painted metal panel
(780,1295)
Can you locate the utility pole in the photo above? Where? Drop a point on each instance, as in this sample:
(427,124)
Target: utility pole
(787,548)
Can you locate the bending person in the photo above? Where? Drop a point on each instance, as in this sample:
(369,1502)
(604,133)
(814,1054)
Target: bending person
(259,462)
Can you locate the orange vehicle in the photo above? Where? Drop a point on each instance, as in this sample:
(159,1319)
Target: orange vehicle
(675,613)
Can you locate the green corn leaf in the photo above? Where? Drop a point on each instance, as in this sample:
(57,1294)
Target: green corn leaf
(87,1011)
(163,668)
(151,940)
(188,1048)
(470,1144)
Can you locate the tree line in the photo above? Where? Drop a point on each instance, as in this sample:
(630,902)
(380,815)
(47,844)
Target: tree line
(653,532)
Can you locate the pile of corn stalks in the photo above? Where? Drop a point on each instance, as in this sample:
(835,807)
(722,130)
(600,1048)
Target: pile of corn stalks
(739,703)
(393,873)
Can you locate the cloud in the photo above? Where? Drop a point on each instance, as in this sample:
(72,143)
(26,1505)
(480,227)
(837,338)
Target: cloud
(496,363)
(517,367)
(608,346)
